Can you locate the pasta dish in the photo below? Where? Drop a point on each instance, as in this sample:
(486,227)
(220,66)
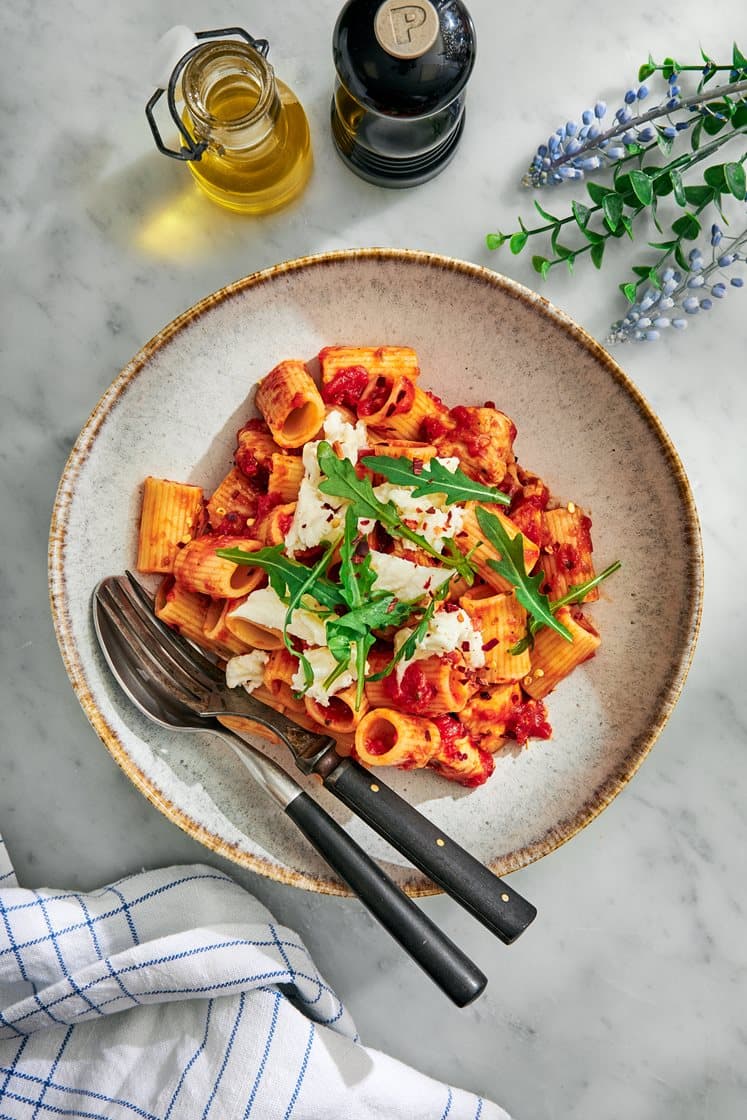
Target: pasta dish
(379,566)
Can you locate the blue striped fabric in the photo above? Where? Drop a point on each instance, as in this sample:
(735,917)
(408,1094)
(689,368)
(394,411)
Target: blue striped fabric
(173,995)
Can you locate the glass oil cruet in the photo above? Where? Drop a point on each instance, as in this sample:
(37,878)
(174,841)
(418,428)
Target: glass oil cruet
(242,132)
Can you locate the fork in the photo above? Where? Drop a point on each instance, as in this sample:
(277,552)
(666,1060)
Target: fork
(145,681)
(201,685)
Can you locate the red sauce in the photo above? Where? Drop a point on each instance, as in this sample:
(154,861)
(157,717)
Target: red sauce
(468,430)
(266,503)
(346,386)
(528,721)
(284,523)
(487,766)
(527,514)
(378,746)
(232,525)
(375,398)
(413,693)
(450,728)
(568,557)
(253,425)
(432,428)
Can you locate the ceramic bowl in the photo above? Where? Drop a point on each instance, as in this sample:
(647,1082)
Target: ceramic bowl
(174,412)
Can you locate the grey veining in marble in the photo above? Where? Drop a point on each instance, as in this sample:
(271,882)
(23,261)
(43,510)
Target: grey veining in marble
(627,997)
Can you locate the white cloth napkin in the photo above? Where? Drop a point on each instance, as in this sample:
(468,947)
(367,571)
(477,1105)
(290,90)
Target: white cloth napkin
(173,994)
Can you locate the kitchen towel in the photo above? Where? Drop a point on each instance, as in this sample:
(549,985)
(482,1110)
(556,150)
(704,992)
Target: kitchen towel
(173,995)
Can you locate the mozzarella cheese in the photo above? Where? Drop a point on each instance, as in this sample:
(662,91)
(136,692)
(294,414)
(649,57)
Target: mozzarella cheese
(447,631)
(429,516)
(246,669)
(323,665)
(319,517)
(405,579)
(265,607)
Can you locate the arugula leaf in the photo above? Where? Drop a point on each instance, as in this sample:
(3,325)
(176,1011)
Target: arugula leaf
(343,482)
(575,594)
(295,601)
(286,576)
(434,478)
(356,574)
(511,567)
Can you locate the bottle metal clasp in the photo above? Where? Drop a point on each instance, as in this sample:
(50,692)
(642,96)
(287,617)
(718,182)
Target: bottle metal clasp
(192,148)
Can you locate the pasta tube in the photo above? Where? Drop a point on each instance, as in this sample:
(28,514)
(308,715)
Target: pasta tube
(388,738)
(233,503)
(340,714)
(286,472)
(429,687)
(215,631)
(183,610)
(458,758)
(502,621)
(171,512)
(554,658)
(279,672)
(389,361)
(566,547)
(488,713)
(198,568)
(482,438)
(290,403)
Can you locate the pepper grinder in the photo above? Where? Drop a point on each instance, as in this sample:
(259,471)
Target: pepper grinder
(402,71)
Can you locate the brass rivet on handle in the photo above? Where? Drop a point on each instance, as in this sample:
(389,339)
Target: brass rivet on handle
(441,843)
(505,897)
(374,787)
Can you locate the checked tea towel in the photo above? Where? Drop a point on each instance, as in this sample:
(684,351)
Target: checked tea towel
(173,995)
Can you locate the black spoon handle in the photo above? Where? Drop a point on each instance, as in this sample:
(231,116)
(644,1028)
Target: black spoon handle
(436,954)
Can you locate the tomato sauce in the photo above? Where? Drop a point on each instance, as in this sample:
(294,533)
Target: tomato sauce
(413,693)
(346,386)
(528,721)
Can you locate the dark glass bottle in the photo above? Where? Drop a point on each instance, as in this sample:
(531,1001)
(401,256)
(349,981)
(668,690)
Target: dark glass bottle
(402,69)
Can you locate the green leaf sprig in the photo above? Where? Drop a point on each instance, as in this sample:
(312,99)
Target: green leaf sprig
(342,481)
(575,594)
(368,610)
(632,148)
(434,478)
(512,567)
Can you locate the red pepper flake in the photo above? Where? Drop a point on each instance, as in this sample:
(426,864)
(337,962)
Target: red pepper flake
(465,646)
(417,466)
(449,608)
(490,645)
(232,525)
(489,404)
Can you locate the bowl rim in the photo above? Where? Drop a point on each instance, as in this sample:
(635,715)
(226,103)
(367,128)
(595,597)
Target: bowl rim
(418,886)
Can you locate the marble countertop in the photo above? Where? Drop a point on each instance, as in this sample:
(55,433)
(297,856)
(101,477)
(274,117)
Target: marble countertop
(627,997)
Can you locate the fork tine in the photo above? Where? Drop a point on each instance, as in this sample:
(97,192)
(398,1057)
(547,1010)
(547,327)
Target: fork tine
(152,661)
(204,672)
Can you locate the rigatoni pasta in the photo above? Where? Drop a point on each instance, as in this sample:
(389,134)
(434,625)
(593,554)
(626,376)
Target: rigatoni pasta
(380,567)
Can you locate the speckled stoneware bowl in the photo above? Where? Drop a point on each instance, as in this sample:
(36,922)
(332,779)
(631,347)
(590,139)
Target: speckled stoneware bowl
(174,412)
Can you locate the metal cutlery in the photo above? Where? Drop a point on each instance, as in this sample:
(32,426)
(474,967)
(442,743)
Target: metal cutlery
(149,686)
(201,685)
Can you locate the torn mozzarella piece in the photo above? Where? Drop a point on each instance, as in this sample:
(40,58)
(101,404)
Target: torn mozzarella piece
(405,579)
(350,440)
(323,665)
(265,608)
(319,517)
(246,669)
(429,516)
(448,631)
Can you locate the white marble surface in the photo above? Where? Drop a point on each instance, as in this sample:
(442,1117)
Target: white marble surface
(627,997)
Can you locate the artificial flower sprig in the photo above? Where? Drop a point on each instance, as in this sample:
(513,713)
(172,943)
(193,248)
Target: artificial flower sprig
(712,116)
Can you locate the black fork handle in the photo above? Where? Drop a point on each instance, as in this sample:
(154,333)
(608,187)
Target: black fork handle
(473,885)
(437,955)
